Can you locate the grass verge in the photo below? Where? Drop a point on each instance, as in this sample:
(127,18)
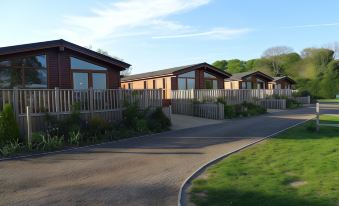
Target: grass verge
(297,167)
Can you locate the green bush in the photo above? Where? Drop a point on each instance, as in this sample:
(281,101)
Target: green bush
(243,110)
(230,111)
(292,104)
(9,129)
(75,138)
(12,148)
(41,142)
(158,121)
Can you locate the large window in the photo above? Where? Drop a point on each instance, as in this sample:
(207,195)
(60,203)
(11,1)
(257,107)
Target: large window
(86,75)
(25,72)
(186,80)
(81,64)
(211,82)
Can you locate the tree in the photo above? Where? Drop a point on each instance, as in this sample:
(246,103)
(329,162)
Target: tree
(220,64)
(273,55)
(334,46)
(235,66)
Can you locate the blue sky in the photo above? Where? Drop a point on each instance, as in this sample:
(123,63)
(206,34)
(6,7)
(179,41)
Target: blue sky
(157,34)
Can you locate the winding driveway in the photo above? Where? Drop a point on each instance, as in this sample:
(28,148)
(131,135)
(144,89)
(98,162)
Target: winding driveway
(143,171)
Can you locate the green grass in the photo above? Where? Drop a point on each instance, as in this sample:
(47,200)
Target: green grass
(262,175)
(328,100)
(329,119)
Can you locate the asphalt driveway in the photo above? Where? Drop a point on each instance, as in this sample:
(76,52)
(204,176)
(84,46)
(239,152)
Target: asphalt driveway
(144,171)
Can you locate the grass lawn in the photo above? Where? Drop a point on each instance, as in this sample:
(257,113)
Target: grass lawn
(328,100)
(329,119)
(297,167)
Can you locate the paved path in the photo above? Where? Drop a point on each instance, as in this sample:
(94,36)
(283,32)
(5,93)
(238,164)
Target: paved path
(145,171)
(185,121)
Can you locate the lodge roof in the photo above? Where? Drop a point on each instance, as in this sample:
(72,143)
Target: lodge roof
(173,71)
(61,44)
(242,75)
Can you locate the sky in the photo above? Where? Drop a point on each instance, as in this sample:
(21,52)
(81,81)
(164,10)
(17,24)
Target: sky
(159,34)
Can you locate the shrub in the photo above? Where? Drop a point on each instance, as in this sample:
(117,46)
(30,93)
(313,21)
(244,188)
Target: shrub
(230,111)
(158,121)
(12,148)
(75,138)
(41,142)
(244,109)
(95,128)
(9,129)
(311,128)
(65,127)
(291,103)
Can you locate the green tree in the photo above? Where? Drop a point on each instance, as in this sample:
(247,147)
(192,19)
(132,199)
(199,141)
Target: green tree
(235,66)
(220,64)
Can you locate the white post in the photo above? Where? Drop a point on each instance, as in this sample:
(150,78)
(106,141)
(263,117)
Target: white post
(317,113)
(29,125)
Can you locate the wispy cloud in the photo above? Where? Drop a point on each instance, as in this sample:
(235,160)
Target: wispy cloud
(310,26)
(124,17)
(219,33)
(130,18)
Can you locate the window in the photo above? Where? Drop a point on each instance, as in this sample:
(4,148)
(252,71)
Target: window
(182,83)
(188,74)
(80,80)
(145,84)
(211,84)
(208,75)
(154,84)
(84,65)
(96,75)
(248,85)
(99,80)
(26,72)
(186,80)
(211,81)
(130,85)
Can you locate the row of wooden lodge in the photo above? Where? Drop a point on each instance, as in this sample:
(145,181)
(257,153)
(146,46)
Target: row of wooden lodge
(203,76)
(58,63)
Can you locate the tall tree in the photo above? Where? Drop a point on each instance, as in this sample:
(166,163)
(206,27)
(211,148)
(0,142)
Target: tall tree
(273,55)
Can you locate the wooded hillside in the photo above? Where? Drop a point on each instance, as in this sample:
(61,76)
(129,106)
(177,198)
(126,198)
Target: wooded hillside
(316,70)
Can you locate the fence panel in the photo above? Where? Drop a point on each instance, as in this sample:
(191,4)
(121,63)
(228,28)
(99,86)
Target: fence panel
(107,104)
(303,100)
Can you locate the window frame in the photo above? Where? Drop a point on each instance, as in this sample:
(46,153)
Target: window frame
(23,68)
(88,71)
(212,78)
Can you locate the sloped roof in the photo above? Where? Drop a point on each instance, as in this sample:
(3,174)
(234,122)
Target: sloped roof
(240,76)
(61,43)
(284,78)
(172,71)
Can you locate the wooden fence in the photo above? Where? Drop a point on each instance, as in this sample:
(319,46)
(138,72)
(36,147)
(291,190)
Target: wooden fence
(204,110)
(108,104)
(272,103)
(303,100)
(231,97)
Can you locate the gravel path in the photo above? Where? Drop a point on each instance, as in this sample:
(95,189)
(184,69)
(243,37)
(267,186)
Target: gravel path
(144,171)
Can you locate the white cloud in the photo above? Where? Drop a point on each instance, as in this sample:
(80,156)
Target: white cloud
(219,33)
(310,26)
(125,17)
(128,18)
